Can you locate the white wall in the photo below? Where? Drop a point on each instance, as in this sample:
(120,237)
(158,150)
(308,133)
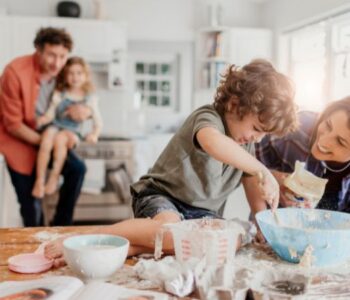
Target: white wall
(156,20)
(152,19)
(240,13)
(278,14)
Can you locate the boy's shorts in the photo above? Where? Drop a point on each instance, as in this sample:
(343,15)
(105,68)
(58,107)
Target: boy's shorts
(150,202)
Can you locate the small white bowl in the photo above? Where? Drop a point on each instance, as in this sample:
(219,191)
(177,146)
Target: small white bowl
(95,257)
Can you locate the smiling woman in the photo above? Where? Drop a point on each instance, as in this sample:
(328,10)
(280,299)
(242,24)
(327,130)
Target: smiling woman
(323,142)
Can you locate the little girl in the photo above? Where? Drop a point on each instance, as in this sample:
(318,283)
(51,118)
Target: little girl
(62,133)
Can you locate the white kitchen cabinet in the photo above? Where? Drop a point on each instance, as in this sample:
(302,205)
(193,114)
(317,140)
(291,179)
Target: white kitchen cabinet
(101,43)
(6,46)
(93,39)
(219,47)
(23,31)
(118,36)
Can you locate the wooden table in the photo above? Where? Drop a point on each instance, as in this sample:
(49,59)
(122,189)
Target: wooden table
(15,241)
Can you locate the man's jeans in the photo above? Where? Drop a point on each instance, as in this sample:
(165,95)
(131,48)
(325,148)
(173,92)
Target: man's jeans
(73,173)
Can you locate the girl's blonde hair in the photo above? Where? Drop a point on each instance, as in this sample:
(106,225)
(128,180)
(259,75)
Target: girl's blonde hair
(61,83)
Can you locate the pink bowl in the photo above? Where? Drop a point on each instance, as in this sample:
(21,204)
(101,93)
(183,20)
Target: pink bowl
(29,263)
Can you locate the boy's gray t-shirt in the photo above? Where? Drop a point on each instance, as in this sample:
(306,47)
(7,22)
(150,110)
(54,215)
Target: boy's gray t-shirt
(189,174)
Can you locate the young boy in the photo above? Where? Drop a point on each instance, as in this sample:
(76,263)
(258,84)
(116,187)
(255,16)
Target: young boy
(206,159)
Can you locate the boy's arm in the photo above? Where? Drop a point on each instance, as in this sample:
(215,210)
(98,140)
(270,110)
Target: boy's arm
(226,150)
(12,109)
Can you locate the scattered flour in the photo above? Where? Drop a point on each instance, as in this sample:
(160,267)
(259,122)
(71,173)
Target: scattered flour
(46,236)
(293,253)
(307,259)
(258,265)
(327,215)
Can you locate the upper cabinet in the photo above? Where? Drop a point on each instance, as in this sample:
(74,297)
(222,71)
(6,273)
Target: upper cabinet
(93,39)
(219,47)
(5,50)
(101,43)
(23,30)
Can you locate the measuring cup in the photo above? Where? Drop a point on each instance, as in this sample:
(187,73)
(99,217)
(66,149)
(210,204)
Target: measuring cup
(214,239)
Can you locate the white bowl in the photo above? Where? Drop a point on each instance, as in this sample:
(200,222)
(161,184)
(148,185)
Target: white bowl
(95,257)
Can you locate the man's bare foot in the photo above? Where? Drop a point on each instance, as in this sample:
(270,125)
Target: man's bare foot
(38,189)
(52,184)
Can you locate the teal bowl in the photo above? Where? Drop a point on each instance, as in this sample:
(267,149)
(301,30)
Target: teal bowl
(327,232)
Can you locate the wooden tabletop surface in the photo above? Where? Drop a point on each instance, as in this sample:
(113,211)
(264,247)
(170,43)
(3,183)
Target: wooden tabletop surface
(15,241)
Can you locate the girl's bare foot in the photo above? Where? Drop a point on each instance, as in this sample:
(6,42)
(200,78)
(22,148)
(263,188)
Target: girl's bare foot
(38,189)
(52,184)
(54,249)
(59,262)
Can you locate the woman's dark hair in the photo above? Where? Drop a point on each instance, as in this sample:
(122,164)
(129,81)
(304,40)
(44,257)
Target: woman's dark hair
(53,36)
(259,89)
(334,106)
(342,104)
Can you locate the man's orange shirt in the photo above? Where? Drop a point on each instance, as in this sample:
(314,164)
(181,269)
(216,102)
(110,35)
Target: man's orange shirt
(19,89)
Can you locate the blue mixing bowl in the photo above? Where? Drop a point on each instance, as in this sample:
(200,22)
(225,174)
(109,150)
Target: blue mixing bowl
(328,232)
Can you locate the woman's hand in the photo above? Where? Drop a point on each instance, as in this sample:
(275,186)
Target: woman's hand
(286,199)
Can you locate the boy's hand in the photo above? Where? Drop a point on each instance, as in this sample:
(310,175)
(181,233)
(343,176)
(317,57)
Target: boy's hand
(41,121)
(269,188)
(92,138)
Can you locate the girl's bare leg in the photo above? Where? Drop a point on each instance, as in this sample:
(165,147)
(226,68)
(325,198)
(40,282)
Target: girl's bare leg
(62,142)
(141,234)
(46,145)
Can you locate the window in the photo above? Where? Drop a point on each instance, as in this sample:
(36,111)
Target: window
(319,62)
(341,58)
(156,81)
(308,66)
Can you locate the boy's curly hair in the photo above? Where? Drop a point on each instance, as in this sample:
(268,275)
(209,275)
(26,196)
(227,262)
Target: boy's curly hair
(61,81)
(53,36)
(259,89)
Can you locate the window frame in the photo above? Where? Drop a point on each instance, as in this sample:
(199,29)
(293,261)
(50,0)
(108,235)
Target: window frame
(330,24)
(160,59)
